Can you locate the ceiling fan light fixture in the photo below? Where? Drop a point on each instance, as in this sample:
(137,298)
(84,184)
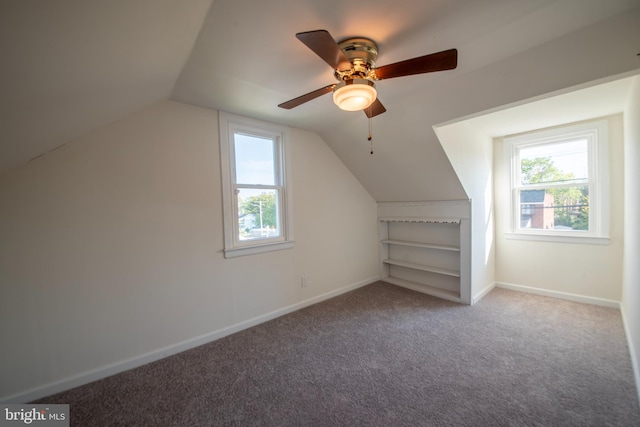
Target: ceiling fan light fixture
(354,94)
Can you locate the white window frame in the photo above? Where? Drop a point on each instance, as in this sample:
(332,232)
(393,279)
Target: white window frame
(229,125)
(597,135)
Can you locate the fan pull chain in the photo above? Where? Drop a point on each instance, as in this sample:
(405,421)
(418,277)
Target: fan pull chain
(370,138)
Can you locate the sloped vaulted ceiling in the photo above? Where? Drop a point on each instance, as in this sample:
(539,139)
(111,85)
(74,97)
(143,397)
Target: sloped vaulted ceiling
(70,66)
(247,61)
(74,65)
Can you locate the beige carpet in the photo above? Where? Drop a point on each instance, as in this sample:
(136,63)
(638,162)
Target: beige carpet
(386,356)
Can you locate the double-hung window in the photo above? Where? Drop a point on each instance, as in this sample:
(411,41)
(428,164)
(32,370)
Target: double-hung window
(559,183)
(257,213)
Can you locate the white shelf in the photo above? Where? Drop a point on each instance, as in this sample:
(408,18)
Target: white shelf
(420,219)
(425,289)
(422,245)
(422,267)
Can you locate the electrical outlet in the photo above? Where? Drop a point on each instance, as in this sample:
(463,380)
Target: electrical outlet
(304,280)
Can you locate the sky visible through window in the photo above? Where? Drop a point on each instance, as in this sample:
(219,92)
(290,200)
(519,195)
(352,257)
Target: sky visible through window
(568,157)
(254,161)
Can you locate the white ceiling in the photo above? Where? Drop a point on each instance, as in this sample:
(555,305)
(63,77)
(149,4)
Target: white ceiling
(568,106)
(71,66)
(468,140)
(247,59)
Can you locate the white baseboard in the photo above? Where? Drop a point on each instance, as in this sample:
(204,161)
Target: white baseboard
(632,351)
(134,362)
(561,295)
(477,297)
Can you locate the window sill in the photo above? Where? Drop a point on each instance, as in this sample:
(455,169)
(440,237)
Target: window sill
(257,249)
(554,238)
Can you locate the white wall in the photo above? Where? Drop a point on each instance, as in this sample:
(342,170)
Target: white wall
(479,164)
(592,271)
(631,279)
(471,155)
(111,249)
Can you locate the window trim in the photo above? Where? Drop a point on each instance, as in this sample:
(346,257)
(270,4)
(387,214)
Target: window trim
(597,133)
(229,124)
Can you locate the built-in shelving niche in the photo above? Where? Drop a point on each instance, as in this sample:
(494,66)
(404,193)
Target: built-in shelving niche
(425,247)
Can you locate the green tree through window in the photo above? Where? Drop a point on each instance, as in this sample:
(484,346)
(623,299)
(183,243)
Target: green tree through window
(558,183)
(571,203)
(263,208)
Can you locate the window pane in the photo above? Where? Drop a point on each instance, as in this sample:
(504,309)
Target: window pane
(555,209)
(562,162)
(258,216)
(254,160)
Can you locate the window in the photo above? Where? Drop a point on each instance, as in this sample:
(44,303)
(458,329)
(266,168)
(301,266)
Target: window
(559,181)
(257,213)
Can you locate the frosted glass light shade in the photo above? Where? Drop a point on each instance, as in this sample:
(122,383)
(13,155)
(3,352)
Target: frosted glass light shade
(354,94)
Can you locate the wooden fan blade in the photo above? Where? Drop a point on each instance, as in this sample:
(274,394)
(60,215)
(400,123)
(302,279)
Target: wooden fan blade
(306,97)
(375,109)
(445,60)
(321,42)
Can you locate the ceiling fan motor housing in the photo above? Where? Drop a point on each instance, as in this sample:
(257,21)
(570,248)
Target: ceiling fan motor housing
(353,61)
(362,53)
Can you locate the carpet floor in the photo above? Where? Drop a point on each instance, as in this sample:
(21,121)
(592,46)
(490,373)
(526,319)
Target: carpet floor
(386,356)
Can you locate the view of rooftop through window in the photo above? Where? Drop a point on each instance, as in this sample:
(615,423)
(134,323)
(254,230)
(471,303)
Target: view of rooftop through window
(554,190)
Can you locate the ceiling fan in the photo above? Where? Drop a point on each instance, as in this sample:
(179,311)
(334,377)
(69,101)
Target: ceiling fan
(353,61)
